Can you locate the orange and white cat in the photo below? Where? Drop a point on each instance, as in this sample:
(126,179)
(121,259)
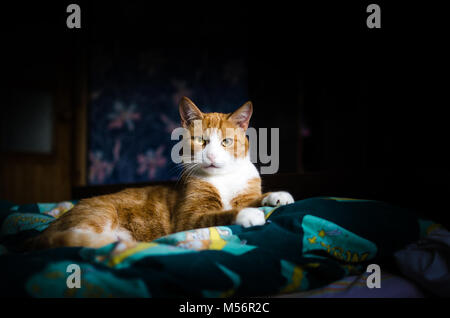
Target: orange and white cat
(220,186)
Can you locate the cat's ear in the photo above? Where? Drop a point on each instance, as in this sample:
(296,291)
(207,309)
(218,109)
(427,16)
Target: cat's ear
(241,117)
(189,112)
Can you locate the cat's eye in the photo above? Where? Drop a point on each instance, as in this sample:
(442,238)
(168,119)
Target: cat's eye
(227,142)
(199,140)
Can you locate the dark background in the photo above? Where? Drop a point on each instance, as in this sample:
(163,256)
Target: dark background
(350,102)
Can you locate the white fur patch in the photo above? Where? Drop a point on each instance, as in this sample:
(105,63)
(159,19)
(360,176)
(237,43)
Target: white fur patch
(107,234)
(232,175)
(123,234)
(250,217)
(278,198)
(231,184)
(94,237)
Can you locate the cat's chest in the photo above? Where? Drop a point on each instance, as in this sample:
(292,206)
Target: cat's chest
(231,186)
(228,189)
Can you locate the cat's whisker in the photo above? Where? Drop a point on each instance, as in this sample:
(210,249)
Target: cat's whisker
(176,167)
(188,171)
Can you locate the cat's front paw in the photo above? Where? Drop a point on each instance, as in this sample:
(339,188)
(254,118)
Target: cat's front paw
(278,198)
(250,217)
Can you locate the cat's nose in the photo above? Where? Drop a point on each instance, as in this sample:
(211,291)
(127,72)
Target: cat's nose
(211,157)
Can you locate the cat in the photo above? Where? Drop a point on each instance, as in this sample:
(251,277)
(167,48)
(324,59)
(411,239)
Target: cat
(219,186)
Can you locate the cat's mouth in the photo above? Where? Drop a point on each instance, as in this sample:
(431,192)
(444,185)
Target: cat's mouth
(212,166)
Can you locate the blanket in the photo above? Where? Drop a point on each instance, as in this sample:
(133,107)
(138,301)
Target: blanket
(303,246)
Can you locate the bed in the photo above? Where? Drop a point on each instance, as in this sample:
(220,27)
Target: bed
(315,247)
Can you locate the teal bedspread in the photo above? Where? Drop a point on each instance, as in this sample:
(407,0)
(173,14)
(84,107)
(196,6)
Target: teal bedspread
(303,246)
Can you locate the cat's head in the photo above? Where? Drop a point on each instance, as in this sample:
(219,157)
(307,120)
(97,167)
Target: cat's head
(217,140)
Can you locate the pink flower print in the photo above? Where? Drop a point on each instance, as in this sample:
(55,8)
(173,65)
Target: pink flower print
(181,91)
(170,124)
(151,161)
(99,169)
(123,115)
(116,150)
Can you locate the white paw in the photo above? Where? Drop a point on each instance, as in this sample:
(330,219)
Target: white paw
(278,198)
(250,217)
